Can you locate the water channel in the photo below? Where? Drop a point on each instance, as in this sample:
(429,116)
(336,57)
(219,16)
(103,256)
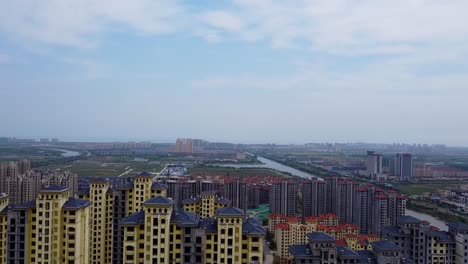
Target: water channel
(434,221)
(267,163)
(68,153)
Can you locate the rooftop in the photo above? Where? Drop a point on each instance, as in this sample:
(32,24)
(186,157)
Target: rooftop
(158,186)
(144,174)
(253,227)
(222,200)
(385,245)
(134,219)
(191,200)
(26,205)
(300,250)
(159,200)
(230,211)
(209,224)
(55,188)
(320,237)
(184,218)
(345,252)
(460,227)
(441,236)
(408,219)
(74,204)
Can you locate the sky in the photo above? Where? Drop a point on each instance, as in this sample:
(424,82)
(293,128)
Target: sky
(244,71)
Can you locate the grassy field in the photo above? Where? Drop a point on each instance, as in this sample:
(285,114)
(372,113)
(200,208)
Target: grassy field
(214,171)
(99,168)
(31,153)
(427,188)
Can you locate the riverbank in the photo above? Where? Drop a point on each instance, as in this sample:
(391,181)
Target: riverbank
(435,213)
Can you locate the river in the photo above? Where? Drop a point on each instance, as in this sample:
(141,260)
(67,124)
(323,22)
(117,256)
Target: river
(434,221)
(267,163)
(68,153)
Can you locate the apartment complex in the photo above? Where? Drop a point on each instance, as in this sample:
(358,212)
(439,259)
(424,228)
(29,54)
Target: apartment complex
(423,243)
(51,229)
(23,184)
(401,166)
(365,206)
(322,248)
(290,231)
(283,198)
(131,223)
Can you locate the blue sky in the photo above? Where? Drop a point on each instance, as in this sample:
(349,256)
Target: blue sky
(239,71)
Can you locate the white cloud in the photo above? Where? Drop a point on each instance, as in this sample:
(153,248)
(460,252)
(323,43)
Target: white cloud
(349,26)
(79,23)
(222,20)
(343,27)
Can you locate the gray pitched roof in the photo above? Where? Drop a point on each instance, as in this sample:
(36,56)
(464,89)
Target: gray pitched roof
(320,237)
(300,250)
(144,174)
(55,188)
(191,200)
(346,253)
(385,245)
(158,186)
(134,219)
(158,200)
(184,218)
(26,205)
(390,229)
(209,224)
(4,211)
(75,204)
(442,236)
(230,211)
(222,200)
(458,226)
(253,227)
(408,219)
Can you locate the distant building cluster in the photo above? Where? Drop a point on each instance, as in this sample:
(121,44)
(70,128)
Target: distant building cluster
(344,209)
(189,145)
(116,145)
(400,167)
(131,223)
(22,184)
(249,192)
(363,205)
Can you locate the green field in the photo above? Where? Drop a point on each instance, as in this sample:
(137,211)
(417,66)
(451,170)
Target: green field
(31,153)
(427,188)
(102,168)
(261,212)
(243,172)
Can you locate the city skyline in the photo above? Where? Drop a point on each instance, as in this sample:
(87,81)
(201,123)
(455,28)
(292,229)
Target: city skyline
(244,71)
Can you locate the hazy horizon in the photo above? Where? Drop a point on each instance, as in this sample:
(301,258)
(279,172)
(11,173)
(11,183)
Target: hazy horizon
(248,71)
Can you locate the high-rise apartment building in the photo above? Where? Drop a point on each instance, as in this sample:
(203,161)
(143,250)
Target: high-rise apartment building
(283,198)
(205,205)
(291,230)
(373,163)
(373,208)
(402,166)
(313,198)
(22,184)
(51,229)
(161,234)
